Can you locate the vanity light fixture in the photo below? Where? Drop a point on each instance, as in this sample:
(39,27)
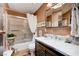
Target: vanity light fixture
(54,5)
(49,5)
(57,5)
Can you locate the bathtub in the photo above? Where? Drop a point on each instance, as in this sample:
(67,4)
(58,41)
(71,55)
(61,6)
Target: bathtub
(25,45)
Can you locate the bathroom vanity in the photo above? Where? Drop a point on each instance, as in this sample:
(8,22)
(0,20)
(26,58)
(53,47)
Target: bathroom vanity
(44,47)
(44,50)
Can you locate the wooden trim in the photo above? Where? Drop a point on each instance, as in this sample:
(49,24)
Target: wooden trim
(67,7)
(12,12)
(15,13)
(6,6)
(40,8)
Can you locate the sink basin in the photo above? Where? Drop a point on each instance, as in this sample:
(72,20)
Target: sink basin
(54,39)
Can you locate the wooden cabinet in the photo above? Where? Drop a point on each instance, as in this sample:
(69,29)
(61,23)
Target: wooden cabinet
(44,50)
(49,53)
(40,50)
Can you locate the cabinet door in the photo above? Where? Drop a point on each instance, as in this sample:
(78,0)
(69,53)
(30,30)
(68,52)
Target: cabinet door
(40,50)
(49,53)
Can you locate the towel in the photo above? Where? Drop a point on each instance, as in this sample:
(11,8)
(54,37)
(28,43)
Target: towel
(74,21)
(77,22)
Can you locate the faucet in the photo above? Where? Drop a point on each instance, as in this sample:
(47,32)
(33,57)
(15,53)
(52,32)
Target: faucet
(70,40)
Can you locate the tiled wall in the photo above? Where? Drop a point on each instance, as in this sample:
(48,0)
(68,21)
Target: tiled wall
(20,28)
(41,17)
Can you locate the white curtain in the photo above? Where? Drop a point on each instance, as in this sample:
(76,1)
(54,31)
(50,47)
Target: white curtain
(75,21)
(32,21)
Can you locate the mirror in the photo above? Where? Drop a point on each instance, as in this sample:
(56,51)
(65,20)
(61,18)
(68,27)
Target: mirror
(58,14)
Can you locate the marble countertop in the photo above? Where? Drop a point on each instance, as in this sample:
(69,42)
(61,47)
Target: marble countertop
(61,46)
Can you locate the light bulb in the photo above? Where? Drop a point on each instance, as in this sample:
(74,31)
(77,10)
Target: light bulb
(49,4)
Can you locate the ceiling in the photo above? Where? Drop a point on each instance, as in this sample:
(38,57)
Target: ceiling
(24,7)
